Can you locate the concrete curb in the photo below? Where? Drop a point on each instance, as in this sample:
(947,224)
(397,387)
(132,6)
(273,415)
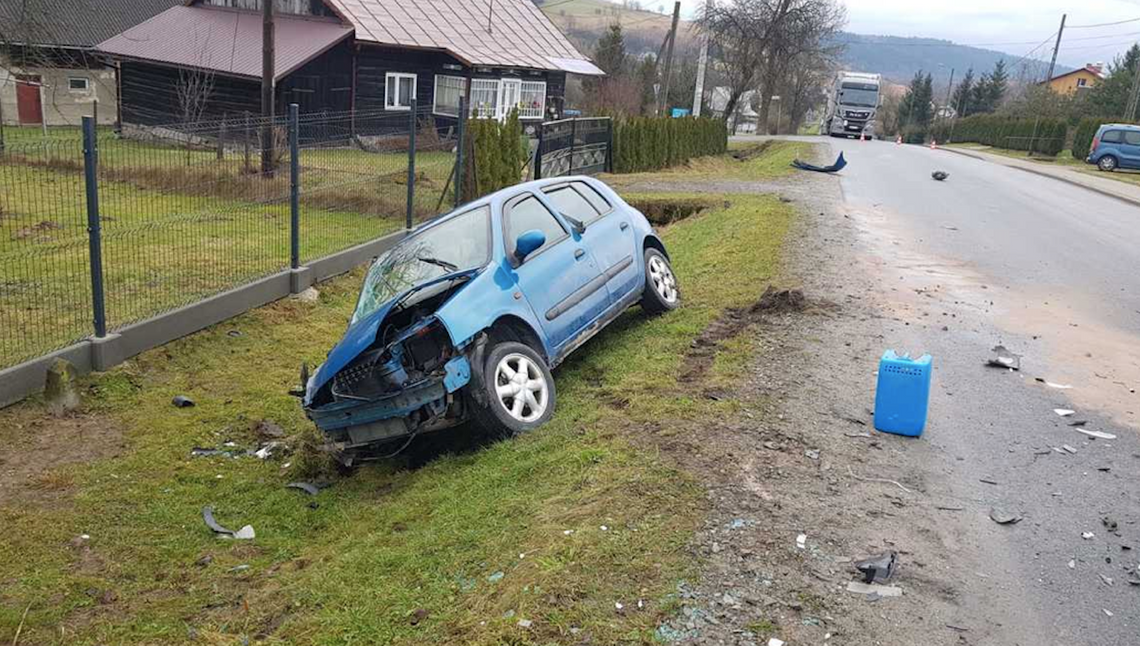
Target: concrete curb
(1060,178)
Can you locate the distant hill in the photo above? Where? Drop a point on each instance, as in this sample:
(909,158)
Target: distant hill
(896,58)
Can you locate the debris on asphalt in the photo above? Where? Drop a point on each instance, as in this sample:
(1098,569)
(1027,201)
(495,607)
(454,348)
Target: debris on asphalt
(1079,422)
(1100,435)
(1069,448)
(884,480)
(1107,580)
(878,568)
(858,435)
(1003,358)
(245,533)
(988,481)
(801,541)
(858,587)
(940,175)
(1063,412)
(1057,386)
(1107,612)
(840,162)
(307,487)
(182,401)
(775,642)
(1087,535)
(945,508)
(1072,564)
(1110,523)
(812,454)
(1004,517)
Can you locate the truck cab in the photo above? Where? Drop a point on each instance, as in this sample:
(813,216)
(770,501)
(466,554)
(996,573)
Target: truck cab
(852,105)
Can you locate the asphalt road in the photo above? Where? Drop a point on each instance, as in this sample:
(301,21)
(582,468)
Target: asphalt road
(1050,270)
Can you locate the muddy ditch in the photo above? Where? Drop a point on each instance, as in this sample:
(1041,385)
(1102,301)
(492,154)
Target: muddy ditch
(665,210)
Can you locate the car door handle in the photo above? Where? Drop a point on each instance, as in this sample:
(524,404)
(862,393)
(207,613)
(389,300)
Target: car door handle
(579,253)
(624,226)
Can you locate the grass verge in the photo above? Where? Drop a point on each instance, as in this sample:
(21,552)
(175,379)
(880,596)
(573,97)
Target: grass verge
(557,527)
(768,160)
(1064,159)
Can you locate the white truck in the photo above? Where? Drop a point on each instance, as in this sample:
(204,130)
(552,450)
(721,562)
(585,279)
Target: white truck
(851,105)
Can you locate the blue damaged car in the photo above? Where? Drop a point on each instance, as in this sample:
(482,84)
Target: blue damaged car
(465,318)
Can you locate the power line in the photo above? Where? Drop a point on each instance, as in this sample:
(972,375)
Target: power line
(1105,24)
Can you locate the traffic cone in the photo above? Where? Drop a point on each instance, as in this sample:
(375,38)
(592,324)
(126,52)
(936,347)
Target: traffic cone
(862,136)
(934,144)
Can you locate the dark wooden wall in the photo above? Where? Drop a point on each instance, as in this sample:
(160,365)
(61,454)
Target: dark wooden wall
(373,63)
(149,95)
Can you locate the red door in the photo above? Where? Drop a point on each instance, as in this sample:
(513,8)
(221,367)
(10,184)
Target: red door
(28,104)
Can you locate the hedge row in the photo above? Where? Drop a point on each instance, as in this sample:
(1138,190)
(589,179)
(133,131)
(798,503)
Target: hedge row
(496,155)
(652,143)
(1083,135)
(1007,132)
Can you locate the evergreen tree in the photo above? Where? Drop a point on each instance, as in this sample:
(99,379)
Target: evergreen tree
(998,83)
(1109,97)
(915,110)
(980,96)
(963,94)
(609,52)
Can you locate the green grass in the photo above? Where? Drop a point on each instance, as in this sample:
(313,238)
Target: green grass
(1063,159)
(387,541)
(774,162)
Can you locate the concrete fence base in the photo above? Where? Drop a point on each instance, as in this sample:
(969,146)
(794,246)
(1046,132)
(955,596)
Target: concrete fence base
(98,354)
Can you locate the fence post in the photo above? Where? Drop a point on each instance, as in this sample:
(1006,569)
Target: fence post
(573,136)
(538,152)
(459,151)
(94,232)
(246,138)
(610,145)
(294,189)
(221,152)
(411,165)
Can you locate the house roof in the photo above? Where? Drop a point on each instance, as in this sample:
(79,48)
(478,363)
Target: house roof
(226,41)
(1095,70)
(72,23)
(489,33)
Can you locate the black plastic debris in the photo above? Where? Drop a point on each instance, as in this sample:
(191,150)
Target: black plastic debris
(840,162)
(182,401)
(1003,358)
(1002,517)
(307,487)
(1110,523)
(878,568)
(940,175)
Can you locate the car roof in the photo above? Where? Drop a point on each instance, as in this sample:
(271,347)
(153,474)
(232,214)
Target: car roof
(1122,126)
(499,196)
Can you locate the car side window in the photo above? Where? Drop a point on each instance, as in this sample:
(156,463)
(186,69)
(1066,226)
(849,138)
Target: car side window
(1112,137)
(590,193)
(527,214)
(1132,137)
(570,202)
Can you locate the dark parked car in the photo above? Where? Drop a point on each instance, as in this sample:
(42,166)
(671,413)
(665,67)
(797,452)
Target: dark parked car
(1116,146)
(465,318)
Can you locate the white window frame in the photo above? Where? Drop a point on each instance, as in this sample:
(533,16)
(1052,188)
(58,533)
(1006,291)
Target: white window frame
(533,87)
(479,109)
(504,85)
(395,77)
(86,84)
(447,110)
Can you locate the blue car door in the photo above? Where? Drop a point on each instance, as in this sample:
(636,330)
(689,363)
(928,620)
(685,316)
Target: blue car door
(1130,149)
(560,279)
(609,235)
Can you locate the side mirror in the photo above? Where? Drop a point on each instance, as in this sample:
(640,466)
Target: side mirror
(528,243)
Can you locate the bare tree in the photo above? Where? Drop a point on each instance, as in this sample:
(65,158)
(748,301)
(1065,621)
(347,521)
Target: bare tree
(736,32)
(194,88)
(799,29)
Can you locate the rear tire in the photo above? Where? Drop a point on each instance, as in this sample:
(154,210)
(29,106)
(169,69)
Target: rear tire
(1107,163)
(660,293)
(518,390)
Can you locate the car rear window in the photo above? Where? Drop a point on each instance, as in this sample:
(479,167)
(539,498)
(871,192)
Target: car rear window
(1113,137)
(527,214)
(600,203)
(570,202)
(1132,137)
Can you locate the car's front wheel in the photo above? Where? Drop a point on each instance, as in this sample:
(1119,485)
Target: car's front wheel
(660,293)
(518,390)
(1107,163)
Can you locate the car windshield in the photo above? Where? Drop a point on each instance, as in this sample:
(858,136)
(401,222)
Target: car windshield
(859,95)
(460,243)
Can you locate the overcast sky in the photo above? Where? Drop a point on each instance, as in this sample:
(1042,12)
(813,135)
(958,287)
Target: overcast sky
(1018,25)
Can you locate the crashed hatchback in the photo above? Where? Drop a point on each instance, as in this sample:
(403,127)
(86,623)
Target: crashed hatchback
(465,318)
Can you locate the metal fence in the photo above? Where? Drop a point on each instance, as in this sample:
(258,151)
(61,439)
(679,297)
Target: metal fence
(574,147)
(102,229)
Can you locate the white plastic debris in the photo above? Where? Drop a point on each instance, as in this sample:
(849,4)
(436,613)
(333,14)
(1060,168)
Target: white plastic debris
(567,532)
(1107,612)
(775,642)
(1058,386)
(85,536)
(618,606)
(1072,564)
(801,541)
(1063,412)
(245,533)
(858,587)
(1068,448)
(1087,535)
(525,623)
(604,528)
(1100,435)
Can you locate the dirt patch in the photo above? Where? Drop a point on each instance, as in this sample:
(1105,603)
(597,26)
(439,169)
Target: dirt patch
(731,323)
(32,456)
(661,211)
(39,228)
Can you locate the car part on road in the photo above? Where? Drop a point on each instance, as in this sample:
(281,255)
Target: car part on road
(1064,412)
(1100,435)
(878,568)
(1003,517)
(1003,358)
(840,162)
(940,175)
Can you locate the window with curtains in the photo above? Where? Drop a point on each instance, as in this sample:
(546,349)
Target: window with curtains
(448,91)
(532,102)
(399,90)
(485,98)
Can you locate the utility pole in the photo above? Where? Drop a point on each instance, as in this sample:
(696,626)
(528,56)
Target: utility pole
(267,75)
(664,99)
(702,65)
(1052,65)
(949,89)
(1133,98)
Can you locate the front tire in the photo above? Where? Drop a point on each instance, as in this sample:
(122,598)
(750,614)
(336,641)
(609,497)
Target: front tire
(660,293)
(1107,163)
(518,390)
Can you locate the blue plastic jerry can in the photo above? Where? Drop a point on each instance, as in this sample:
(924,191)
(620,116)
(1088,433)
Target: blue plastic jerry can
(902,394)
